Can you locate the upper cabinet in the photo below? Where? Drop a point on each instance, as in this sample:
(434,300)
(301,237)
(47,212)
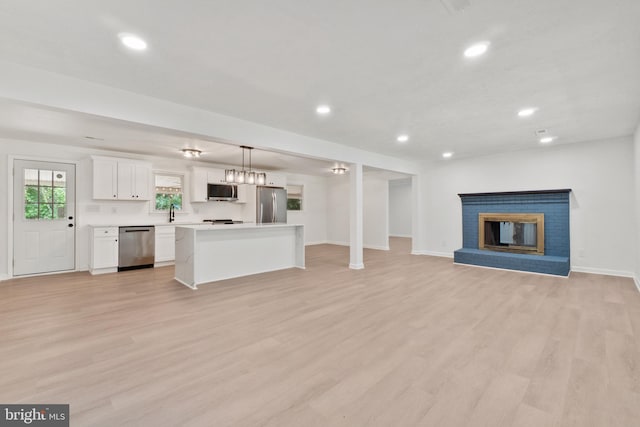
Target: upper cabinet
(198,184)
(134,180)
(215,176)
(105,178)
(276,180)
(121,179)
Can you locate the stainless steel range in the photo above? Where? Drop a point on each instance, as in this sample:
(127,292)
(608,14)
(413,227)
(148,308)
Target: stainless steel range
(221,221)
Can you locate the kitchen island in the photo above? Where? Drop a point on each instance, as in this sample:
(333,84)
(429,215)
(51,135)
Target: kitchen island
(207,253)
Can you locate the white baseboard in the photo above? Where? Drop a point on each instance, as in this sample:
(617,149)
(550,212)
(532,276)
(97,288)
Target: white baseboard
(324,242)
(637,282)
(4,277)
(603,271)
(378,248)
(433,253)
(164,264)
(359,266)
(333,242)
(401,235)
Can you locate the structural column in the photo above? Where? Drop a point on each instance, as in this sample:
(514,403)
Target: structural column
(356,225)
(417,216)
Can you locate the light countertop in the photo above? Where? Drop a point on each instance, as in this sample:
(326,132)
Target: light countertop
(201,226)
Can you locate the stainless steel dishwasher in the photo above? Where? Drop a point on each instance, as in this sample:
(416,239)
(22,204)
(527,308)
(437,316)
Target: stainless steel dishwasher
(136,247)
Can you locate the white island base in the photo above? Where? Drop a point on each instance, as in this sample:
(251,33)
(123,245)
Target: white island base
(207,253)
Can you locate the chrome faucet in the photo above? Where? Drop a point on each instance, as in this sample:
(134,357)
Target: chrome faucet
(172,212)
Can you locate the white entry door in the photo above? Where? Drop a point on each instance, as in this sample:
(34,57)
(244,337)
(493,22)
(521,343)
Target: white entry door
(43,217)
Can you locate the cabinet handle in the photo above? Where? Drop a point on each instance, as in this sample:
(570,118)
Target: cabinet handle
(114,195)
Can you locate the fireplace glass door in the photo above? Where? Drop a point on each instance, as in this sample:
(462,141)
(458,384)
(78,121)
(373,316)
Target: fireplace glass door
(518,233)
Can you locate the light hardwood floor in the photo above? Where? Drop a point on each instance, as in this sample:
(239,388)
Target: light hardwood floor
(408,341)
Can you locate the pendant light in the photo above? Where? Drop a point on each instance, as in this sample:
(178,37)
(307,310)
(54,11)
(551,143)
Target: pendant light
(242,176)
(261,178)
(251,175)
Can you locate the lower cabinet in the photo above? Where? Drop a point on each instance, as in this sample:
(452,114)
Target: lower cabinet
(165,243)
(104,250)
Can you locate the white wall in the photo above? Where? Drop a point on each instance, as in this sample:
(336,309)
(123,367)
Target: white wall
(375,210)
(400,207)
(314,207)
(636,163)
(602,201)
(338,209)
(102,212)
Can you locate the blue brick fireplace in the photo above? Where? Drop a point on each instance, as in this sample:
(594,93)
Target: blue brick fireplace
(554,204)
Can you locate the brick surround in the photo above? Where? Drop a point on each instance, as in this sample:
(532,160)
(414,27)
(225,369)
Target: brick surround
(554,204)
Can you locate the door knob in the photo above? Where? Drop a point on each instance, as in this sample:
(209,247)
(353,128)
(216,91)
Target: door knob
(70,218)
(70,225)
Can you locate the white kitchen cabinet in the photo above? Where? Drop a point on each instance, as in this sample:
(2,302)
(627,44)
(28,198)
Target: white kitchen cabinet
(105,178)
(249,208)
(165,243)
(104,250)
(121,179)
(134,180)
(198,184)
(243,192)
(276,180)
(215,176)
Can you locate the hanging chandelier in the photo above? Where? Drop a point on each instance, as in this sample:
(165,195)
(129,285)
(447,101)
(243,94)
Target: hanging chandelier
(243,176)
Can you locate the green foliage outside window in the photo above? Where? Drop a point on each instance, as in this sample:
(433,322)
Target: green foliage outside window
(44,202)
(168,191)
(164,200)
(294,204)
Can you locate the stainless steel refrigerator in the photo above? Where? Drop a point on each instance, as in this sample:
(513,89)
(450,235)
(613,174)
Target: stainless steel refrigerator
(271,205)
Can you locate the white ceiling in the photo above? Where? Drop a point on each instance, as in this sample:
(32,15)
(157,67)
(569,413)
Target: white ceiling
(34,123)
(386,67)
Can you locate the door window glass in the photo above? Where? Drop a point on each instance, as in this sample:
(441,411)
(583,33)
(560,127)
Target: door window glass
(45,194)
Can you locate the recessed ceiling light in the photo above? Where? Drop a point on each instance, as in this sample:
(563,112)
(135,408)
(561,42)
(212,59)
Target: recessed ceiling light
(526,112)
(323,109)
(402,138)
(132,41)
(476,50)
(547,139)
(447,154)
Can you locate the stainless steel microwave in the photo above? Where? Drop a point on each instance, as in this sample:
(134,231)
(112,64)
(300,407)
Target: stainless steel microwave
(222,192)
